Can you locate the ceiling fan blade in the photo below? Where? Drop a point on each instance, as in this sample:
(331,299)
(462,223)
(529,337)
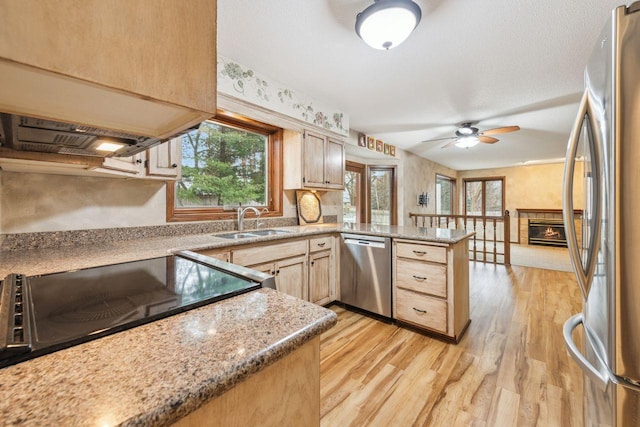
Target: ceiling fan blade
(497,131)
(440,139)
(449,144)
(488,139)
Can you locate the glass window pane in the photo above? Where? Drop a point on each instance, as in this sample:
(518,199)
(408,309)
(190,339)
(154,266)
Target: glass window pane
(473,197)
(381,193)
(350,202)
(493,198)
(444,195)
(222,166)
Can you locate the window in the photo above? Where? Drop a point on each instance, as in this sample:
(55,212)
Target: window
(227,162)
(445,195)
(382,195)
(484,196)
(353,196)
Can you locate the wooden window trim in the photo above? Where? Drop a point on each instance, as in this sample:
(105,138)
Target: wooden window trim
(362,193)
(275,163)
(484,192)
(394,199)
(454,193)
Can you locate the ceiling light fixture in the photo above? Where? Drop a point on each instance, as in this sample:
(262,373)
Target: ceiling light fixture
(387,23)
(467,141)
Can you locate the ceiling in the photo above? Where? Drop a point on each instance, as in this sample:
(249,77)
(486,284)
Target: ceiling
(500,63)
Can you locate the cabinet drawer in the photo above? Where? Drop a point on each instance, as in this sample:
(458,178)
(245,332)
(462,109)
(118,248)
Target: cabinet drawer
(217,254)
(422,252)
(319,244)
(422,277)
(421,310)
(261,254)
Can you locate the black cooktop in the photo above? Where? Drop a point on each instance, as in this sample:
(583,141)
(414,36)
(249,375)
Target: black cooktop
(55,311)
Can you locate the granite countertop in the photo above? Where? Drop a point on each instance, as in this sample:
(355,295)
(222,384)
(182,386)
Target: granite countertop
(64,258)
(156,373)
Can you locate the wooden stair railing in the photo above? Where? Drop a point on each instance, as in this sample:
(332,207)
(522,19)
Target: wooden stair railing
(489,244)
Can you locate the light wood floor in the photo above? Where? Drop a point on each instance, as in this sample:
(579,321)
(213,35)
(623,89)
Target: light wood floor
(510,369)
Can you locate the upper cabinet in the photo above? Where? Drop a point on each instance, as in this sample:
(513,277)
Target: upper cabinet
(313,160)
(145,67)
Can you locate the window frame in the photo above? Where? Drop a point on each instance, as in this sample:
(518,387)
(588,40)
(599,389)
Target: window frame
(454,194)
(484,194)
(274,179)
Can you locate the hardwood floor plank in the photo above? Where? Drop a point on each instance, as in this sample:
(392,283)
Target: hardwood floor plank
(509,369)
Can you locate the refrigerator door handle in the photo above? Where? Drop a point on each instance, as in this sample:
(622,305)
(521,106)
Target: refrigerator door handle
(584,275)
(602,381)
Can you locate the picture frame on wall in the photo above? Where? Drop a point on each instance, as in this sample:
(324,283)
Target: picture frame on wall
(379,146)
(387,149)
(362,140)
(392,150)
(371,143)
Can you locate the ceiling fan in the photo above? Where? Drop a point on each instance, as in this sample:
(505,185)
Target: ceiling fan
(467,135)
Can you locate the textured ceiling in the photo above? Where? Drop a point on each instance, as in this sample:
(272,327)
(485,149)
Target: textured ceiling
(498,62)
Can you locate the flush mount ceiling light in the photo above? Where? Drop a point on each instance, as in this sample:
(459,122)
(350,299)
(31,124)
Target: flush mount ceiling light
(387,23)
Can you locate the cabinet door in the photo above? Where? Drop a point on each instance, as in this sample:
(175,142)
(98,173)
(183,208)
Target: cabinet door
(320,277)
(314,160)
(291,276)
(133,165)
(267,268)
(334,164)
(164,160)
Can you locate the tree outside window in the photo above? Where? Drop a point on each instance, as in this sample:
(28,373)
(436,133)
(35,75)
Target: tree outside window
(484,196)
(445,195)
(222,165)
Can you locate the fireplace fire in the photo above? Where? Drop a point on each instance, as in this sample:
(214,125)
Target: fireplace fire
(547,232)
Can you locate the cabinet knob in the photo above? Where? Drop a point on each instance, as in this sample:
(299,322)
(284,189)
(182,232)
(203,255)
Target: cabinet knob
(420,311)
(419,253)
(313,262)
(139,161)
(419,277)
(175,165)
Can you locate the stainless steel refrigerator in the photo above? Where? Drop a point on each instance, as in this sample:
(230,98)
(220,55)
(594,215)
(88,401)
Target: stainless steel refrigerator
(606,138)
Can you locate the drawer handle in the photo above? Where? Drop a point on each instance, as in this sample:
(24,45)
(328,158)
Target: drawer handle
(321,245)
(420,311)
(419,253)
(419,277)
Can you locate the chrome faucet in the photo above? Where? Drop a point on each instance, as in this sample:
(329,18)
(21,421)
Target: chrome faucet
(259,222)
(242,212)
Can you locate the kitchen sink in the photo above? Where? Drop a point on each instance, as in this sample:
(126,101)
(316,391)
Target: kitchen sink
(249,234)
(237,235)
(268,232)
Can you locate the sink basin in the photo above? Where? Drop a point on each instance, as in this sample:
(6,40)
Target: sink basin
(236,235)
(249,234)
(268,232)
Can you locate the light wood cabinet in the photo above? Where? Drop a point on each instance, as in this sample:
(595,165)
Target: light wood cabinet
(431,286)
(313,160)
(322,276)
(221,254)
(286,261)
(145,67)
(286,393)
(165,160)
(162,162)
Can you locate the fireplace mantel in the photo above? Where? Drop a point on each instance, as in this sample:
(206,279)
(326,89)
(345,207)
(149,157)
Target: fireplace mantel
(543,211)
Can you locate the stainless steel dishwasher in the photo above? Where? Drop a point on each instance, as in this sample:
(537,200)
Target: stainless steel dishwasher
(365,273)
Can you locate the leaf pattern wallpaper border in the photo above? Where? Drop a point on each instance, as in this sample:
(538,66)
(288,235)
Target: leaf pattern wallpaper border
(242,82)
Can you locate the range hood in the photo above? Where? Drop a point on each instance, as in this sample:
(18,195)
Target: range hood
(32,134)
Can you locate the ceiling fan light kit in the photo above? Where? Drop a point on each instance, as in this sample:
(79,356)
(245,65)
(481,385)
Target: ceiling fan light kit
(387,23)
(467,136)
(467,141)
